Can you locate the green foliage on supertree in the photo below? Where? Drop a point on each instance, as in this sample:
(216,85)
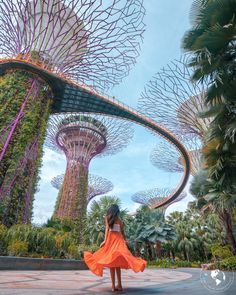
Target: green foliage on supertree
(81,202)
(15,85)
(58,200)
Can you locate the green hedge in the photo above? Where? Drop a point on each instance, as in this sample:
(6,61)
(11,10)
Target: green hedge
(227,263)
(167,263)
(220,252)
(45,242)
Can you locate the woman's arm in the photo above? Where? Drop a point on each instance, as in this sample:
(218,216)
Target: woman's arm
(106,232)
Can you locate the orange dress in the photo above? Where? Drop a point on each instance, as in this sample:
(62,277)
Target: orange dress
(114,253)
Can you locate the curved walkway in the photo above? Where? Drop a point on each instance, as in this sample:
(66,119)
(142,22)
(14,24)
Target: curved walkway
(151,281)
(70,96)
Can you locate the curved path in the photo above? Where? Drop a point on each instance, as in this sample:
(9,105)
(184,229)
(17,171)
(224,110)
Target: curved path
(70,96)
(151,281)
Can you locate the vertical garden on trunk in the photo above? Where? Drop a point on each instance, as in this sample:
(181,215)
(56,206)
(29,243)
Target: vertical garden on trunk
(24,109)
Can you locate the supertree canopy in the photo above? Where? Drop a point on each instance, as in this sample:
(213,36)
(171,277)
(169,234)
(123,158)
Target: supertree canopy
(92,41)
(173,101)
(97,185)
(89,41)
(167,158)
(154,196)
(81,137)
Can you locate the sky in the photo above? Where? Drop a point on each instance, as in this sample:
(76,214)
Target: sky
(130,171)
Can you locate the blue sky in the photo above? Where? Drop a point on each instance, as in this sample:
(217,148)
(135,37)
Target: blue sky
(131,170)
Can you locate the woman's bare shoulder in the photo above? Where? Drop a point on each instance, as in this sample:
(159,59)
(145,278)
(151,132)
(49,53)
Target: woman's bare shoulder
(119,221)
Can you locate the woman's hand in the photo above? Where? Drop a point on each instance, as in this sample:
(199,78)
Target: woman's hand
(102,244)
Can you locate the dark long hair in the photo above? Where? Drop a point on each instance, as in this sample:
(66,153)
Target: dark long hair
(112,213)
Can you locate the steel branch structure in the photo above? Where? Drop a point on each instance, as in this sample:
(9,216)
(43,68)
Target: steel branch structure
(81,137)
(173,101)
(91,41)
(97,185)
(154,196)
(165,157)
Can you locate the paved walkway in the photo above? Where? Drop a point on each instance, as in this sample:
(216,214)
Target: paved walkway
(151,281)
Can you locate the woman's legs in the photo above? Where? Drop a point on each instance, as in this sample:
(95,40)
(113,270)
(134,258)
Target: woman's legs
(112,273)
(118,273)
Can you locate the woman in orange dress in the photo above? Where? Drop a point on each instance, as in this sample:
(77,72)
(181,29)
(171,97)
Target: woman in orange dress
(114,252)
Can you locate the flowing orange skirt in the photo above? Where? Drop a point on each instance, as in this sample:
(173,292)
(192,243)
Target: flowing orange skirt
(114,253)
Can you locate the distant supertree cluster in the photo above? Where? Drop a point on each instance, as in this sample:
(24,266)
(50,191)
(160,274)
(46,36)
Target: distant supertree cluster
(165,157)
(154,196)
(97,185)
(82,137)
(173,101)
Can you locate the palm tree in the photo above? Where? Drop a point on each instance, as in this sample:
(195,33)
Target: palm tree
(95,227)
(219,203)
(212,44)
(152,230)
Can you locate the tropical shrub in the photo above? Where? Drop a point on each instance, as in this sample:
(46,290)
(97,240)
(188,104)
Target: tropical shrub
(221,252)
(76,251)
(17,248)
(91,248)
(73,252)
(3,242)
(228,263)
(183,263)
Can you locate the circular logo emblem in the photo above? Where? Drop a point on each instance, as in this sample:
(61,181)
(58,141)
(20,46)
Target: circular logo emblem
(216,280)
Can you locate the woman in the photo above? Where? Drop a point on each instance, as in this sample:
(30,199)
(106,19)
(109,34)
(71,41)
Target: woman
(114,252)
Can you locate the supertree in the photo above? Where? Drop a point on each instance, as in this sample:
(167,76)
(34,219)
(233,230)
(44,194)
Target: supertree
(153,196)
(96,186)
(167,158)
(81,137)
(173,101)
(43,43)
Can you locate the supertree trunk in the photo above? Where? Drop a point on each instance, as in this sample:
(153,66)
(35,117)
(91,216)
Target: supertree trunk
(73,199)
(24,110)
(73,191)
(72,203)
(58,201)
(82,194)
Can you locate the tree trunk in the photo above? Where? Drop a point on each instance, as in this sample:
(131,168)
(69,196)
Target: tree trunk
(185,255)
(226,220)
(136,249)
(158,249)
(149,248)
(172,254)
